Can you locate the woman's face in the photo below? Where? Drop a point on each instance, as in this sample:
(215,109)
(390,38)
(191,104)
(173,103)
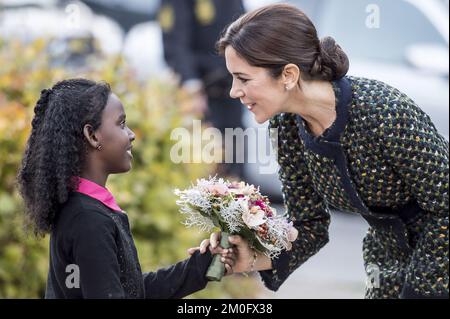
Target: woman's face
(115,137)
(263,95)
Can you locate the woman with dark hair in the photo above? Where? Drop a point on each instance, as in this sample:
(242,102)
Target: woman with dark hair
(350,143)
(79,136)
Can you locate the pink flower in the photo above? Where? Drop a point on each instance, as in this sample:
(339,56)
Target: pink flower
(254,209)
(271,211)
(254,219)
(260,203)
(289,246)
(234,185)
(293,233)
(218,189)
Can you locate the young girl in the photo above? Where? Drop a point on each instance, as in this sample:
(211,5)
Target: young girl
(79,136)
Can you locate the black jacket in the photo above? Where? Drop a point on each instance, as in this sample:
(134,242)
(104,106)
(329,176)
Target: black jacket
(384,159)
(97,241)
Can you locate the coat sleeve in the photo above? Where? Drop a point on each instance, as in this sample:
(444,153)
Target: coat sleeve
(95,253)
(177,21)
(178,280)
(303,204)
(419,155)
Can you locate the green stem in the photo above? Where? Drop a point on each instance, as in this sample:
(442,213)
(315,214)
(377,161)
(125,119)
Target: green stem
(217,268)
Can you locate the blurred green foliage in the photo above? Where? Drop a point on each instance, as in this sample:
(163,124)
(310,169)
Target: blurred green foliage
(153,109)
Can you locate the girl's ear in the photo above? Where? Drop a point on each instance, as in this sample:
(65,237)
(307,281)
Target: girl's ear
(89,134)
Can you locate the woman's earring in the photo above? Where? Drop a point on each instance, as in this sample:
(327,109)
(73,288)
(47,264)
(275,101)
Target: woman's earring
(99,147)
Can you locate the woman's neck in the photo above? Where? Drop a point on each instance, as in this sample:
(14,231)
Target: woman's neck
(316,104)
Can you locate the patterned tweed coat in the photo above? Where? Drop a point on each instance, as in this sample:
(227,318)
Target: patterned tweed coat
(384,159)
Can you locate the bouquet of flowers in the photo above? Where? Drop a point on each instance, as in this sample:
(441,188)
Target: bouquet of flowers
(236,208)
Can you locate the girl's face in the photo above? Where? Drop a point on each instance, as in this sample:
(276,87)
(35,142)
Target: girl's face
(115,138)
(258,91)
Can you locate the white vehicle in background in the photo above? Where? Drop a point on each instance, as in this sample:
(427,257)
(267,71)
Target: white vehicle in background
(143,50)
(79,29)
(75,32)
(404,43)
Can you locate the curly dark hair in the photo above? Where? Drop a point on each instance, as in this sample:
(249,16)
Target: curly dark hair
(56,149)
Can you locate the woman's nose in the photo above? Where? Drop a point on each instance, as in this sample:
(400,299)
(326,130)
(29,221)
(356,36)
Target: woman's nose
(235,93)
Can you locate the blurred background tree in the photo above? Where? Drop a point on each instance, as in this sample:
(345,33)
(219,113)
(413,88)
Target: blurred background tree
(154,108)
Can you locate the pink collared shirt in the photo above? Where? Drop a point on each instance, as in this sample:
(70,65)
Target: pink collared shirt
(98,192)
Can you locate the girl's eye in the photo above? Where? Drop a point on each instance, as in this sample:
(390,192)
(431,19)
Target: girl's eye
(123,124)
(243,80)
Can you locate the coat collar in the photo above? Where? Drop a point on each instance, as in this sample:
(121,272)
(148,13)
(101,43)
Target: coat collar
(97,192)
(329,140)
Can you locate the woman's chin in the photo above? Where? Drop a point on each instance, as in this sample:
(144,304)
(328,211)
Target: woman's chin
(261,118)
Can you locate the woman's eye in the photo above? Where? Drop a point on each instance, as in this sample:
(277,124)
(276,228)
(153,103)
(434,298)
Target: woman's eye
(243,80)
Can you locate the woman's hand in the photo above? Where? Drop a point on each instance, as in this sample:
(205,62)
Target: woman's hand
(244,257)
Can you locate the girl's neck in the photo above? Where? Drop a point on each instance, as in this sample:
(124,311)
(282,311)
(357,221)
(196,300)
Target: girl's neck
(95,175)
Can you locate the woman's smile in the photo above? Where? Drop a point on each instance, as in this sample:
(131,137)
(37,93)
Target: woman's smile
(249,105)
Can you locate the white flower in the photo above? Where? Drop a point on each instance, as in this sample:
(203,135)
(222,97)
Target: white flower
(244,206)
(248,190)
(253,220)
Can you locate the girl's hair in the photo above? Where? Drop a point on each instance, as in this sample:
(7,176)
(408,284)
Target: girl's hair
(276,35)
(56,148)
